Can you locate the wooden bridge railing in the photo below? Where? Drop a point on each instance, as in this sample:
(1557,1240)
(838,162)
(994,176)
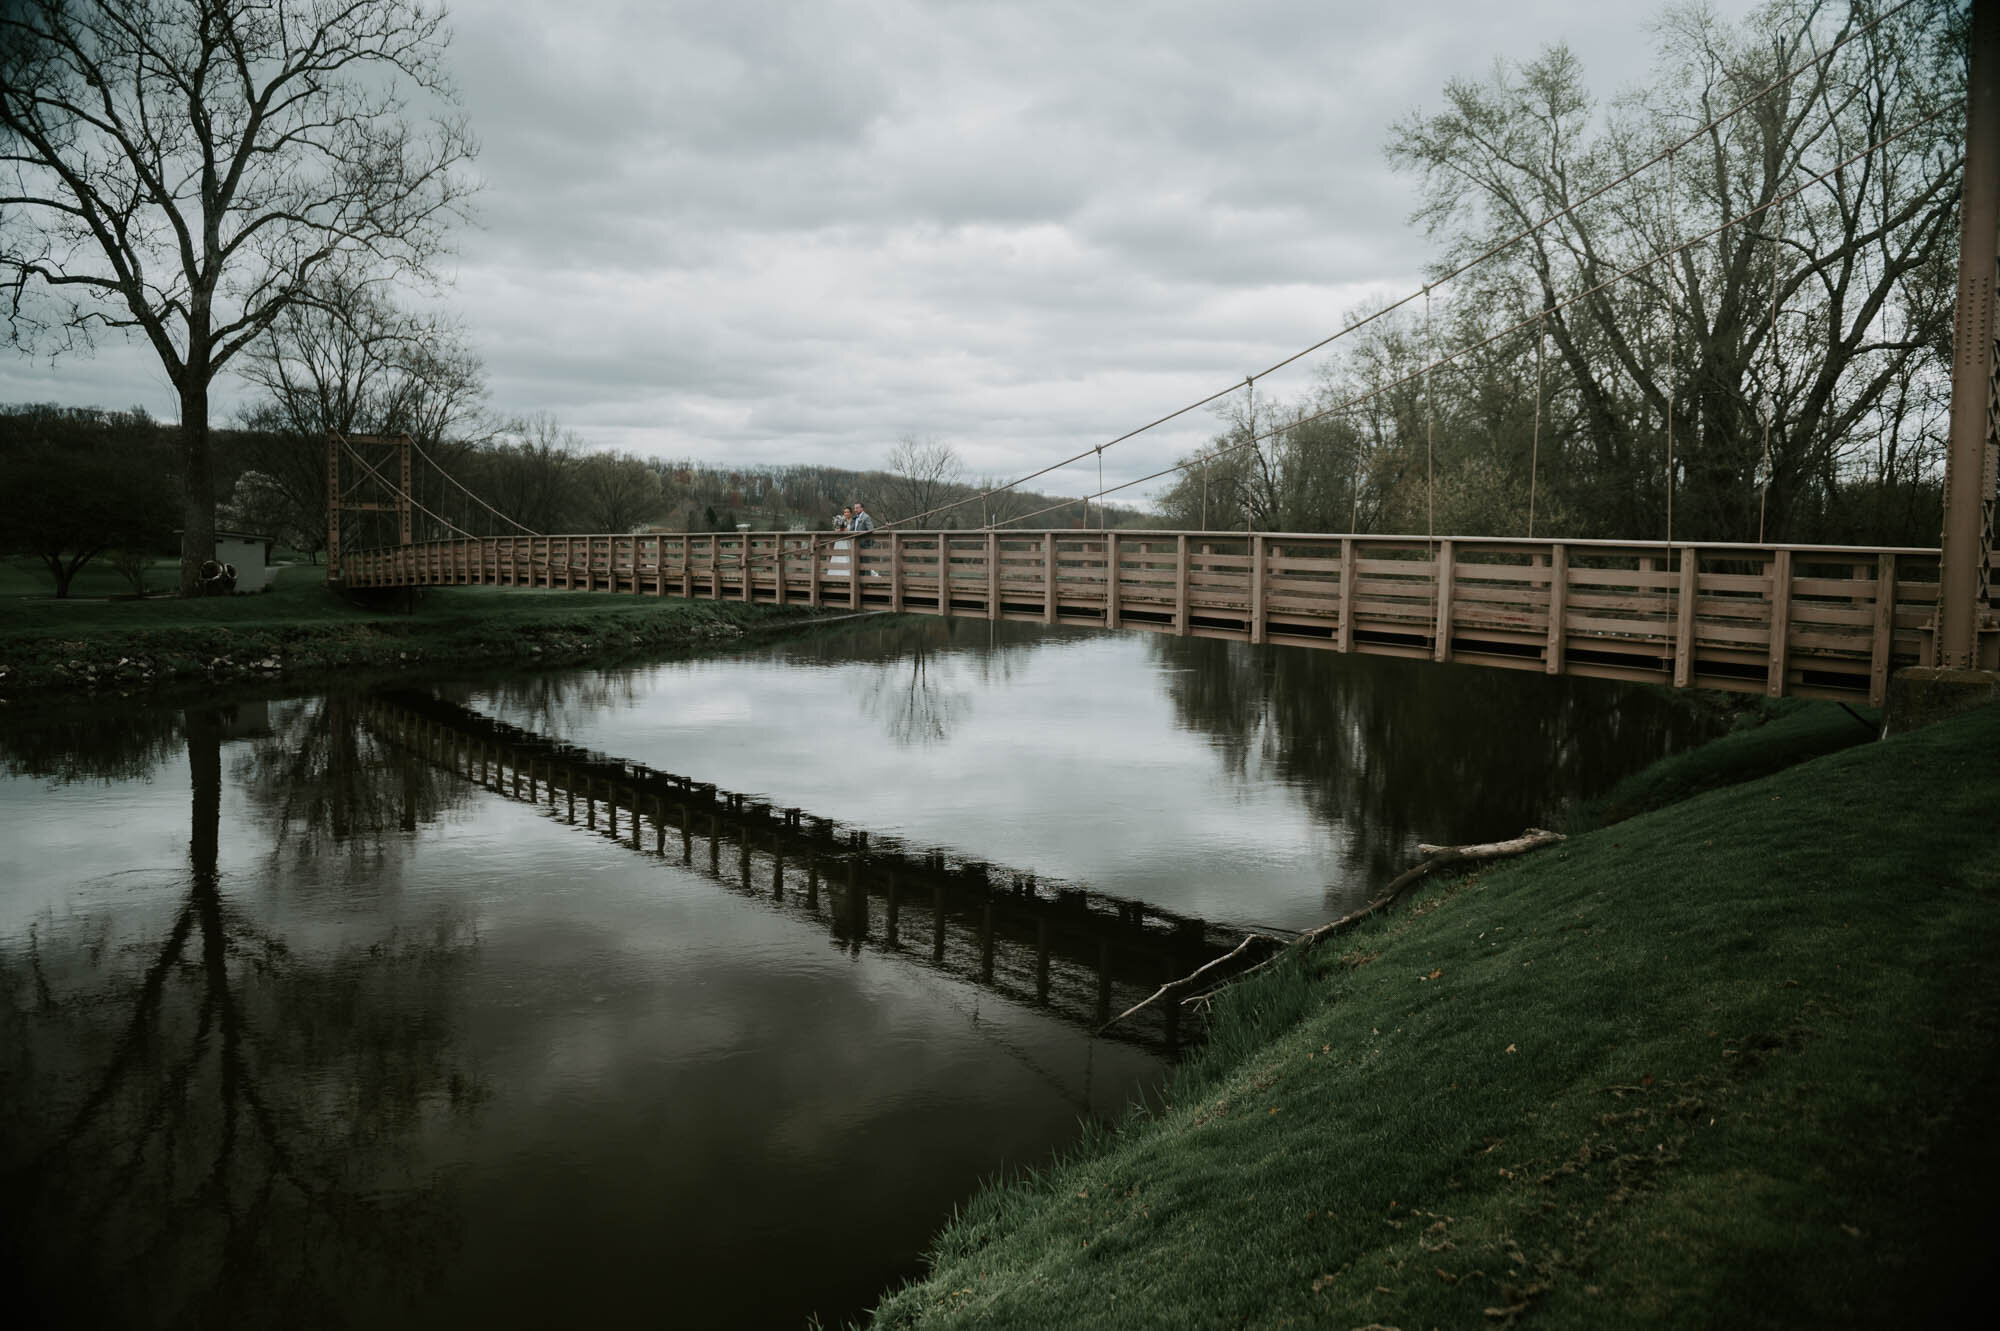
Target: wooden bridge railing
(1818,621)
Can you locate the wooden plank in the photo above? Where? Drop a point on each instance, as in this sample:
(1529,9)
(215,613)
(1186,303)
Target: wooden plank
(1885,629)
(992,574)
(1625,630)
(1781,620)
(1441,630)
(1684,617)
(1822,614)
(1327,564)
(1835,587)
(1558,608)
(1414,569)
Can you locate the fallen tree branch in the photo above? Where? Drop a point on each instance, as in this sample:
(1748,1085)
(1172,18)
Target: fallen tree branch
(1435,858)
(1173,987)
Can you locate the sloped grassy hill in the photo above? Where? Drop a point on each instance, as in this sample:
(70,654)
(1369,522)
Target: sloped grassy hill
(1727,1063)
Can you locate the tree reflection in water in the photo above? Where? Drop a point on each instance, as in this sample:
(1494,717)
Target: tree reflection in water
(321,783)
(1396,752)
(207,1125)
(910,692)
(912,702)
(90,743)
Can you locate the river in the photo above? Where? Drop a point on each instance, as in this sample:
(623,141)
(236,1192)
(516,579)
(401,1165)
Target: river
(381,1008)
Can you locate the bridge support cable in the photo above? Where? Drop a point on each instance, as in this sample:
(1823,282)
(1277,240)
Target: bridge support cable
(524,529)
(404,501)
(1769,408)
(1664,155)
(1255,438)
(745,561)
(1967,636)
(1673,342)
(1419,375)
(1430,433)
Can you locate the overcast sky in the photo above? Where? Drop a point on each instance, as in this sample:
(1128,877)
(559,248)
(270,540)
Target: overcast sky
(795,230)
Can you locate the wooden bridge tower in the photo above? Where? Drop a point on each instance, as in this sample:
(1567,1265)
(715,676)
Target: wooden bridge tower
(1967,636)
(386,496)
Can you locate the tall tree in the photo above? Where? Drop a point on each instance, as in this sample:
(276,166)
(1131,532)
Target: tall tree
(187,168)
(923,475)
(349,361)
(619,491)
(1818,312)
(78,489)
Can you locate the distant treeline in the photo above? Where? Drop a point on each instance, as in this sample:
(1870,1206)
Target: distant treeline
(105,483)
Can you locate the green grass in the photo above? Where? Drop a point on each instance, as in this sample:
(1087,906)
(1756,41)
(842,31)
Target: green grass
(1727,1063)
(303,628)
(1768,736)
(23,576)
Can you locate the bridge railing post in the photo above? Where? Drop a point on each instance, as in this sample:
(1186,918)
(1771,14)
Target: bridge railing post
(332,508)
(944,574)
(992,574)
(1558,639)
(1183,621)
(1256,606)
(404,466)
(1444,571)
(1778,661)
(896,572)
(1684,622)
(1048,577)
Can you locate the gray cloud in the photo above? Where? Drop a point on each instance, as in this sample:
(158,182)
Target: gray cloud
(793,230)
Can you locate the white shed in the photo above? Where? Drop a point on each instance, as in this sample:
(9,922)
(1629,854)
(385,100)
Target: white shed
(251,554)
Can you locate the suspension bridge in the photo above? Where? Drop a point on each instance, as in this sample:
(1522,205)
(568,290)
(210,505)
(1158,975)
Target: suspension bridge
(1823,621)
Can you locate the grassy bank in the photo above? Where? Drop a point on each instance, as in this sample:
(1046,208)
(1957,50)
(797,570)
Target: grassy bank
(300,629)
(1730,1062)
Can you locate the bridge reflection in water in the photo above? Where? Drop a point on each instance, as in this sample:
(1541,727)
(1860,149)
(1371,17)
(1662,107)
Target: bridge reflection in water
(1080,955)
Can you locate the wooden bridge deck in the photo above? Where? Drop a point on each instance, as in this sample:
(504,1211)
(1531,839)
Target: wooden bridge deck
(1815,621)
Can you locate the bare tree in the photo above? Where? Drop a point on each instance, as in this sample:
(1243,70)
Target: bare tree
(74,494)
(1002,504)
(348,361)
(618,491)
(187,168)
(923,475)
(1826,301)
(530,474)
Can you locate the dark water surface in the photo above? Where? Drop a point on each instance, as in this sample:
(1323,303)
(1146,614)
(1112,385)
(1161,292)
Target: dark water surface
(377,1009)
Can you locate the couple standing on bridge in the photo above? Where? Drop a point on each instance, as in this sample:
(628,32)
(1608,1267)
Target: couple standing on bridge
(852,518)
